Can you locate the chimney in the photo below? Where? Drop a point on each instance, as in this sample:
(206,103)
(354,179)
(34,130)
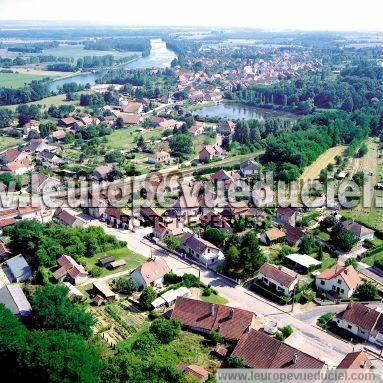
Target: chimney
(213,310)
(295,358)
(231,313)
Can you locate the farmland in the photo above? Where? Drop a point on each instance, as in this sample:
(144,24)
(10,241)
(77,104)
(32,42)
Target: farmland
(8,142)
(328,157)
(17,80)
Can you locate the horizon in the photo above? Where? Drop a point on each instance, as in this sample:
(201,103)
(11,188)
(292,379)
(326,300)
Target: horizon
(295,15)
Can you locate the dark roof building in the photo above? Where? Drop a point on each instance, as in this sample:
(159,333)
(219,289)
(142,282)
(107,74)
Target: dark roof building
(19,268)
(13,298)
(355,360)
(259,350)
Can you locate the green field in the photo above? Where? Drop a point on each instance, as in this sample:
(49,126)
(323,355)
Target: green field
(213,298)
(17,80)
(9,142)
(132,260)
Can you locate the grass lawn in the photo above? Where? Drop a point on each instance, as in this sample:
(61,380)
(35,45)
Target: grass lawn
(132,259)
(327,261)
(370,260)
(8,142)
(53,100)
(324,235)
(213,298)
(17,80)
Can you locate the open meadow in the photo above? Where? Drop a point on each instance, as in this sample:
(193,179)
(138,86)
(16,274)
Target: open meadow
(18,80)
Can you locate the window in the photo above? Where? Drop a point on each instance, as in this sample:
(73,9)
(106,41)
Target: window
(342,291)
(322,283)
(349,327)
(339,281)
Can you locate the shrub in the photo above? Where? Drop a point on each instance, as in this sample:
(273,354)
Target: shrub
(95,271)
(172,278)
(165,330)
(147,297)
(325,319)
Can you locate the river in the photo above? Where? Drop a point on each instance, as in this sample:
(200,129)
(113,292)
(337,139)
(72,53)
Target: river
(236,111)
(160,57)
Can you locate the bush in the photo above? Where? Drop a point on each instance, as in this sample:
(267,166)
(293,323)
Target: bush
(172,242)
(235,362)
(207,291)
(147,297)
(172,278)
(125,285)
(325,319)
(367,291)
(95,271)
(165,330)
(215,337)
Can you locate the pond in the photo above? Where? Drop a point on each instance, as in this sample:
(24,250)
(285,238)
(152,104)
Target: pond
(234,111)
(160,57)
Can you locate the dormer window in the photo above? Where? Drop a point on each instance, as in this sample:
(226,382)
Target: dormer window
(339,281)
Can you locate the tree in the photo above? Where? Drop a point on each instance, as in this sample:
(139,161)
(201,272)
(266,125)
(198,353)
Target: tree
(125,286)
(145,344)
(352,262)
(165,330)
(53,310)
(363,150)
(343,239)
(172,242)
(58,356)
(367,291)
(181,145)
(235,361)
(307,245)
(214,235)
(358,178)
(147,297)
(6,117)
(215,337)
(327,222)
(95,271)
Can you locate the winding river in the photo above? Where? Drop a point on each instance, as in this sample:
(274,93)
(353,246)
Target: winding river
(160,57)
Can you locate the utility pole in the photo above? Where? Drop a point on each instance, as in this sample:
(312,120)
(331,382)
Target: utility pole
(292,305)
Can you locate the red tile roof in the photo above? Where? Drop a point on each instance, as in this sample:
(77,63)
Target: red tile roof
(259,350)
(347,273)
(282,275)
(355,360)
(229,322)
(153,269)
(362,316)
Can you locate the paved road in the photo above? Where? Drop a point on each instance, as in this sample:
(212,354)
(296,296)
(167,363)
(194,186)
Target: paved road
(306,337)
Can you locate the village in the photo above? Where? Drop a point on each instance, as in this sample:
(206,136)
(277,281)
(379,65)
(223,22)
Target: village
(225,279)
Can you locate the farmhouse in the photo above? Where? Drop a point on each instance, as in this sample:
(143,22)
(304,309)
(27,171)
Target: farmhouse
(209,153)
(249,168)
(68,218)
(70,271)
(259,350)
(101,173)
(204,317)
(273,235)
(159,157)
(151,273)
(360,231)
(278,278)
(340,281)
(104,290)
(363,321)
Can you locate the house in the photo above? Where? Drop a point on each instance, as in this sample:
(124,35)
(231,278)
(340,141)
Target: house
(355,360)
(132,107)
(101,173)
(200,249)
(151,273)
(30,126)
(168,226)
(249,168)
(215,220)
(361,232)
(209,153)
(116,218)
(203,317)
(14,299)
(70,271)
(148,214)
(19,168)
(104,290)
(294,234)
(29,212)
(161,157)
(278,278)
(39,181)
(262,351)
(58,135)
(303,263)
(340,281)
(68,218)
(19,269)
(49,159)
(13,155)
(67,122)
(197,372)
(130,119)
(362,321)
(272,236)
(285,215)
(197,128)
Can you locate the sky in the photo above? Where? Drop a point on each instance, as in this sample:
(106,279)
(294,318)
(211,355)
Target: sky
(265,14)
